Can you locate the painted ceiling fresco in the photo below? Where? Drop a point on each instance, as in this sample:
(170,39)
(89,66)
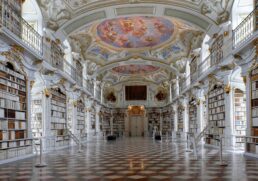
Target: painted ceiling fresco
(135,32)
(135,69)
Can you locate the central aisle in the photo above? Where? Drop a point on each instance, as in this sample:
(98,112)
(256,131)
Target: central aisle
(132,159)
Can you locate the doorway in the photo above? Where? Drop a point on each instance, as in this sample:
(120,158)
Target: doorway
(136,126)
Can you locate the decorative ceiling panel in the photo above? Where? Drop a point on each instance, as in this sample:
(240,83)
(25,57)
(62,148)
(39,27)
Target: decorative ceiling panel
(135,32)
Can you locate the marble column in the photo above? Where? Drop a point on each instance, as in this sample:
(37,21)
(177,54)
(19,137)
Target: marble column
(170,92)
(97,119)
(200,112)
(88,109)
(177,86)
(29,110)
(73,123)
(248,107)
(175,109)
(186,117)
(46,115)
(228,115)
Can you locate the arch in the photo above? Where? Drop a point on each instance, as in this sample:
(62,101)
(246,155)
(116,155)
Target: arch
(32,14)
(134,61)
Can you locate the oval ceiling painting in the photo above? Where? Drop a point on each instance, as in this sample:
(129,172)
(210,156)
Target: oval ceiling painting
(135,32)
(135,69)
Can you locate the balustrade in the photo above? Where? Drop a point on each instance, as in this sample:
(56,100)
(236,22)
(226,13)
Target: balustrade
(20,28)
(245,29)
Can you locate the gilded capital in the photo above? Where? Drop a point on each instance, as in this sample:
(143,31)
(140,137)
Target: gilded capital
(227,89)
(47,92)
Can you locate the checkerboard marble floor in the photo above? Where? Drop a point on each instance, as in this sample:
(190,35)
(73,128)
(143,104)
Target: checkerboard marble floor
(133,159)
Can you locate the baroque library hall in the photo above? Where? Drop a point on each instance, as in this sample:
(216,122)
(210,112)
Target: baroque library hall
(134,90)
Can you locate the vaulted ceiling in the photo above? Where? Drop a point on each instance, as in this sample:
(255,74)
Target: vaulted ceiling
(129,40)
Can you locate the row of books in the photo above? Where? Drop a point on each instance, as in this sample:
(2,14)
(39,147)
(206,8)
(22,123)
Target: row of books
(8,104)
(11,97)
(216,104)
(13,78)
(220,116)
(80,122)
(217,110)
(11,72)
(81,114)
(216,98)
(12,84)
(58,126)
(58,114)
(13,135)
(58,120)
(10,124)
(254,85)
(58,103)
(7,113)
(216,92)
(255,112)
(58,108)
(254,94)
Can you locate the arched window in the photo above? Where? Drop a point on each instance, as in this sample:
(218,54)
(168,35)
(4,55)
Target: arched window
(32,14)
(241,9)
(205,48)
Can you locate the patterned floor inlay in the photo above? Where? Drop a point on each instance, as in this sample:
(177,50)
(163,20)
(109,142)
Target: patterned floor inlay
(135,159)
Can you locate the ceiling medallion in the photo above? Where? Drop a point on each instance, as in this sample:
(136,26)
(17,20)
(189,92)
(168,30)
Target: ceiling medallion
(135,32)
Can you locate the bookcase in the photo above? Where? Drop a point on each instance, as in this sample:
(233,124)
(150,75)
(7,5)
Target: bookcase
(252,146)
(57,55)
(180,119)
(106,115)
(166,121)
(216,114)
(216,50)
(240,112)
(193,124)
(119,120)
(153,119)
(58,117)
(172,118)
(36,117)
(81,127)
(240,116)
(11,13)
(14,139)
(193,70)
